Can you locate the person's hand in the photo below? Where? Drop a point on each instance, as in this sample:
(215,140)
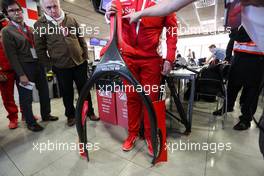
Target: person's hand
(110,10)
(226,62)
(212,62)
(3,78)
(24,80)
(206,62)
(134,17)
(166,68)
(258,3)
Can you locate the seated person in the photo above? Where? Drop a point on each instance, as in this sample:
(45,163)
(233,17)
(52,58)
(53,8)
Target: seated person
(218,55)
(181,60)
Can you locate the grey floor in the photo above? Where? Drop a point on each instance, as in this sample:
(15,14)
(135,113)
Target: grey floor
(18,156)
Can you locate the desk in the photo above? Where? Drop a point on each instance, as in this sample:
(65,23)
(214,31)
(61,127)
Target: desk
(186,74)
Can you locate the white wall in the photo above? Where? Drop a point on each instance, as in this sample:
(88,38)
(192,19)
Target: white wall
(200,44)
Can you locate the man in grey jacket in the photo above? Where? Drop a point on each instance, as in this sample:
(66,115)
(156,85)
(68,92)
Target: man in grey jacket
(20,50)
(58,33)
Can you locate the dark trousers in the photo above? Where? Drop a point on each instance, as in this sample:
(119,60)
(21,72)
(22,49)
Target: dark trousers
(66,77)
(246,72)
(35,73)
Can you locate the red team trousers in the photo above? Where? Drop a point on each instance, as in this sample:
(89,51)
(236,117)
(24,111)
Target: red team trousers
(147,72)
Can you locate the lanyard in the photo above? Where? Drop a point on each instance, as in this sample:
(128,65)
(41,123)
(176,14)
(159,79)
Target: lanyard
(28,36)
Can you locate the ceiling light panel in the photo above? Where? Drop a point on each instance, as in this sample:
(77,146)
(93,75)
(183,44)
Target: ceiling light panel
(204,3)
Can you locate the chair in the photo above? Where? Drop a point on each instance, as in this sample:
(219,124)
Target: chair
(212,82)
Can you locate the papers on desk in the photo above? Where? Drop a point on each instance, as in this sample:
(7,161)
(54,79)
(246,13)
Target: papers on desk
(197,68)
(183,72)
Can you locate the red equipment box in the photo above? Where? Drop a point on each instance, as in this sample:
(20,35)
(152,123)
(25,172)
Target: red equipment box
(121,109)
(107,106)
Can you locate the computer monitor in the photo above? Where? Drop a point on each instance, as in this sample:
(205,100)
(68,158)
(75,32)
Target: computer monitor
(97,42)
(94,41)
(103,42)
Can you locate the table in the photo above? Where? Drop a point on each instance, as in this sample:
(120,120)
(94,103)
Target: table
(189,75)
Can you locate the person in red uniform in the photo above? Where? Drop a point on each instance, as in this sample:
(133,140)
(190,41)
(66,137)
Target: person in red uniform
(7,82)
(144,61)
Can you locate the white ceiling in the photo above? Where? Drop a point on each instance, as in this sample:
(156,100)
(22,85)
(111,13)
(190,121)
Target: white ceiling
(84,12)
(208,18)
(189,17)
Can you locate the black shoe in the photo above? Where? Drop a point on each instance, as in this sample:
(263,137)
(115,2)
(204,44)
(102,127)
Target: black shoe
(70,122)
(242,125)
(50,118)
(220,111)
(36,127)
(94,118)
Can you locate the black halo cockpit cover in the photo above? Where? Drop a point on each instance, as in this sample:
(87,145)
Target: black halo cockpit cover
(112,64)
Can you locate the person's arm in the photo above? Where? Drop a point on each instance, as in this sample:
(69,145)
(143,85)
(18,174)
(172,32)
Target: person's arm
(171,41)
(229,50)
(162,9)
(258,3)
(110,10)
(171,37)
(166,7)
(209,59)
(2,74)
(82,42)
(41,45)
(9,48)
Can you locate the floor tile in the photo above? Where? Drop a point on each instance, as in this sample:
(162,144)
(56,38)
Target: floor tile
(102,163)
(7,167)
(233,164)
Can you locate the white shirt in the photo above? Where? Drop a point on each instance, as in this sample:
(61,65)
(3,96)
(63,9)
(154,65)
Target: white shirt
(252,20)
